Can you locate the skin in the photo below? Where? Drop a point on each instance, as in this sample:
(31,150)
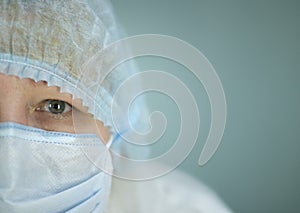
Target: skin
(27,102)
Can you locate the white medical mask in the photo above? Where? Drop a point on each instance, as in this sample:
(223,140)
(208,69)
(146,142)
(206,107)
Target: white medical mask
(42,171)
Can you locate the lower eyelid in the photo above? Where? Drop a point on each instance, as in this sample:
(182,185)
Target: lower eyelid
(52,122)
(43,109)
(67,114)
(45,115)
(43,106)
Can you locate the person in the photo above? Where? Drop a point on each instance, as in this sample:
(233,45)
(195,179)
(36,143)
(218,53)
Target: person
(56,126)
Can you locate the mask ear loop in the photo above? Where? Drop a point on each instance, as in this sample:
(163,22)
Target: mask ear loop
(110,142)
(109,170)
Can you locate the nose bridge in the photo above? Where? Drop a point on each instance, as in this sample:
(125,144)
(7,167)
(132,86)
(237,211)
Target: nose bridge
(13,104)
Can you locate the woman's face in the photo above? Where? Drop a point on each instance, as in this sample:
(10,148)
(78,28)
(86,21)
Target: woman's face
(35,104)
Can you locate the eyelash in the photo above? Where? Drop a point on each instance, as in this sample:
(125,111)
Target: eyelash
(45,105)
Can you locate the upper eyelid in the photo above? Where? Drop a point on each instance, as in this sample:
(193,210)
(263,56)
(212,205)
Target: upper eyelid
(71,105)
(77,106)
(42,104)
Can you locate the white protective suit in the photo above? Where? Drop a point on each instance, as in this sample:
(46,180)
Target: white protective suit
(173,193)
(59,42)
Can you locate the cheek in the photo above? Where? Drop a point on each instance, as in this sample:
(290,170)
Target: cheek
(86,124)
(103,132)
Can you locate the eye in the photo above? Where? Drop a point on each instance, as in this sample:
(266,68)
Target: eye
(57,106)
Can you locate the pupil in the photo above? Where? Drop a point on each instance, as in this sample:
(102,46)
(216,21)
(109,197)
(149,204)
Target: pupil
(56,106)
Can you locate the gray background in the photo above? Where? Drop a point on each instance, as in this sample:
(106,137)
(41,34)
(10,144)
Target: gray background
(255,49)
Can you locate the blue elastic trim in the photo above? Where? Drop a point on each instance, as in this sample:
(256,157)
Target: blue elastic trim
(57,143)
(44,132)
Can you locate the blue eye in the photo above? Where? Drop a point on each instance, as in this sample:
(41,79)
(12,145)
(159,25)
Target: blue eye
(57,106)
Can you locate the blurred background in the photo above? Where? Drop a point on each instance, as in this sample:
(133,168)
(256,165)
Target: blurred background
(254,47)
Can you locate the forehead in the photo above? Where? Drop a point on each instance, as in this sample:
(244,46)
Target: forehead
(35,91)
(10,80)
(26,86)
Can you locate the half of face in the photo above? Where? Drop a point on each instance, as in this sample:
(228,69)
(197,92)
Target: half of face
(31,103)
